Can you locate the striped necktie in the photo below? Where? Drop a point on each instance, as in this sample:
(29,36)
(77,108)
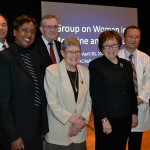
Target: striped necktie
(134,74)
(27,60)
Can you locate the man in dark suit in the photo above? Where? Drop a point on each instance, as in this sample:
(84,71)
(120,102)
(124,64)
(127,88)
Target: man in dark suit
(23,116)
(49,30)
(3,32)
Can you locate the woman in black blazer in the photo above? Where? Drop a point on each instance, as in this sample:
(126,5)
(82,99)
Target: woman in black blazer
(23,117)
(113,94)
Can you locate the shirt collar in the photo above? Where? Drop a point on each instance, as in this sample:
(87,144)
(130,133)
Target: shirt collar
(127,53)
(1,45)
(45,41)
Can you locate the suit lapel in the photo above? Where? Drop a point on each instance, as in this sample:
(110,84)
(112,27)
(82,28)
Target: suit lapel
(65,81)
(67,84)
(81,84)
(44,51)
(58,46)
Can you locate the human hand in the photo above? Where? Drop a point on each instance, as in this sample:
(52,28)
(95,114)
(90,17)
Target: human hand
(74,131)
(134,121)
(17,144)
(106,126)
(78,122)
(139,101)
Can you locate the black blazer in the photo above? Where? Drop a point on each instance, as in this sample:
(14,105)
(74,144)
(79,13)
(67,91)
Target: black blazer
(19,117)
(40,47)
(112,88)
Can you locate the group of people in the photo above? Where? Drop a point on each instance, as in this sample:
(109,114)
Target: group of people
(37,113)
(46,95)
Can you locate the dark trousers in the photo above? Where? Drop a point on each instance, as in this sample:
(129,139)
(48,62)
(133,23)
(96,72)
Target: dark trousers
(116,140)
(135,141)
(72,146)
(5,146)
(35,145)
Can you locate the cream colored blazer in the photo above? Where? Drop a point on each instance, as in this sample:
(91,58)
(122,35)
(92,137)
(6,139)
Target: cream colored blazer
(62,105)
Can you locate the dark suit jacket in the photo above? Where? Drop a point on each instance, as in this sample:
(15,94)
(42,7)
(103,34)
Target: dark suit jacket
(40,47)
(19,117)
(112,88)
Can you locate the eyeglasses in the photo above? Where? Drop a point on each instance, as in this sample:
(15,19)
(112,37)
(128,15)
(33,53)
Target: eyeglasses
(32,32)
(71,53)
(114,46)
(133,37)
(49,27)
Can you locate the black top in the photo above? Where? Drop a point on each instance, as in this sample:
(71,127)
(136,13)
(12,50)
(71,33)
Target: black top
(112,88)
(19,116)
(73,76)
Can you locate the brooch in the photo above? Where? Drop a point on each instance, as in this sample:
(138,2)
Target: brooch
(121,65)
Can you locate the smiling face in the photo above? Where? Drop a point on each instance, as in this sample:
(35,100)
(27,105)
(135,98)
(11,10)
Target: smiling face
(111,48)
(3,29)
(49,29)
(109,43)
(132,39)
(71,56)
(25,34)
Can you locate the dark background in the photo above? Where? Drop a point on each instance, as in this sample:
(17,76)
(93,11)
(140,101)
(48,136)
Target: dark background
(13,9)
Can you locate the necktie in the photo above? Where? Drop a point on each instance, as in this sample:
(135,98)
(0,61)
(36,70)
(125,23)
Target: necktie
(52,55)
(134,74)
(4,46)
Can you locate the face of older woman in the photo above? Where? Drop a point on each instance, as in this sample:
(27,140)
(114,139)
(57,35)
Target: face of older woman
(72,56)
(111,49)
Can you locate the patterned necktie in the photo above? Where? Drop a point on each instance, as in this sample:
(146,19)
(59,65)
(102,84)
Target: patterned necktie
(52,55)
(134,74)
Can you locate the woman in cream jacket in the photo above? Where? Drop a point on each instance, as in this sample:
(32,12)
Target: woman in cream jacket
(69,104)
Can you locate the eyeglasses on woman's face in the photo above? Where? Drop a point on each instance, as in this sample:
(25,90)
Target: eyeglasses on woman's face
(113,46)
